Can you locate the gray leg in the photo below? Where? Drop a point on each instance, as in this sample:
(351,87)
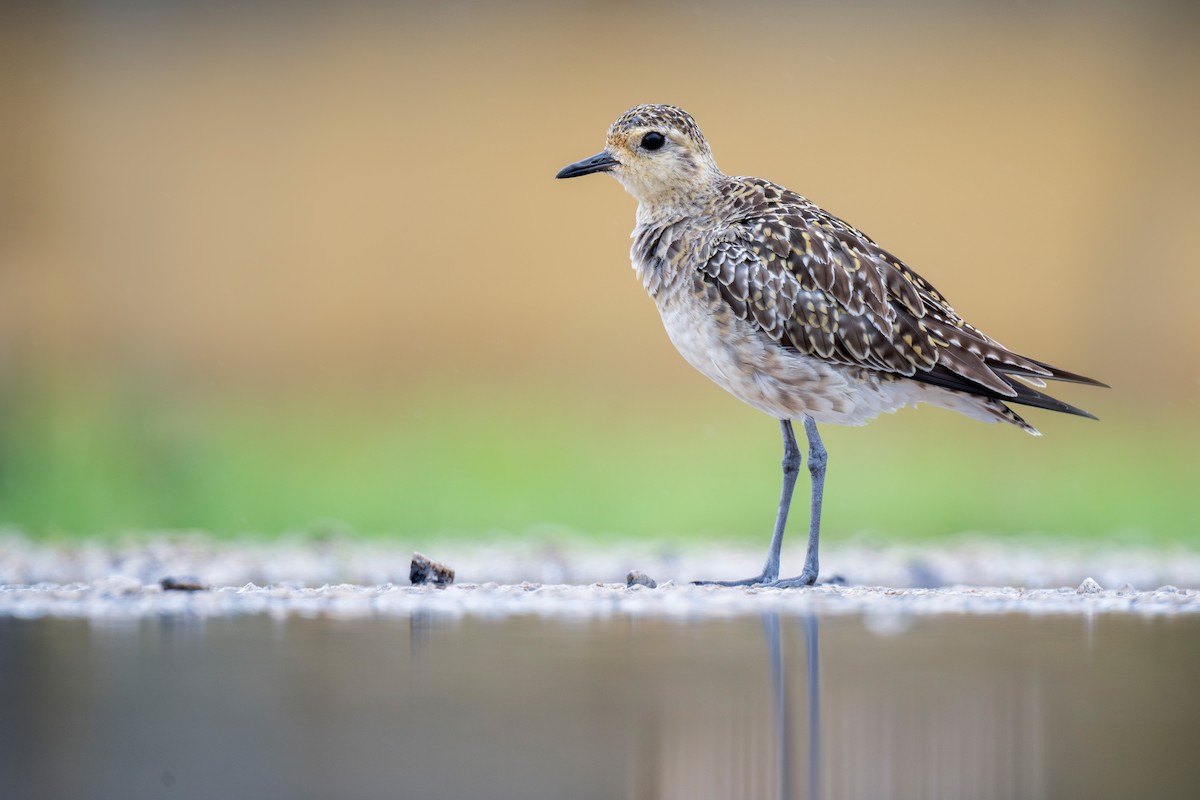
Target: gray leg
(791,468)
(817,458)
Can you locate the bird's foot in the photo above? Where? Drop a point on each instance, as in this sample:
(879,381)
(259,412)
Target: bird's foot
(806,578)
(757,580)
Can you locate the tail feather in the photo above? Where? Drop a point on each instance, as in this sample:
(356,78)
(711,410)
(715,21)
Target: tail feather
(1028,396)
(1057,374)
(1022,393)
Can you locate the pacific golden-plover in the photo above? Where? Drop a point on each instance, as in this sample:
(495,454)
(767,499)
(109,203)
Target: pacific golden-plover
(794,311)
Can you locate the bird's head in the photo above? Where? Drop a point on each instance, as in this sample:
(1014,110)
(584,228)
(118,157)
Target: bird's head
(658,154)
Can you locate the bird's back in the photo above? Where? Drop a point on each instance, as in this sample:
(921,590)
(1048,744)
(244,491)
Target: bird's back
(755,268)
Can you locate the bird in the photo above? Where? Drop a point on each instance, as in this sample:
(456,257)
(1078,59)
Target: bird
(796,312)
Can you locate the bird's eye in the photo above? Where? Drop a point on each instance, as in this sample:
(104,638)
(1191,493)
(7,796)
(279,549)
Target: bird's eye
(653,140)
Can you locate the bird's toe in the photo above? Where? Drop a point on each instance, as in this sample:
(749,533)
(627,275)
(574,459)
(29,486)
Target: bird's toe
(804,579)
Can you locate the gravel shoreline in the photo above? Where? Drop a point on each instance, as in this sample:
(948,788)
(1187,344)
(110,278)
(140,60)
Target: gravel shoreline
(345,577)
(117,598)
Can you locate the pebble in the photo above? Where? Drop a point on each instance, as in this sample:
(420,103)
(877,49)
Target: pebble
(424,570)
(636,578)
(186,584)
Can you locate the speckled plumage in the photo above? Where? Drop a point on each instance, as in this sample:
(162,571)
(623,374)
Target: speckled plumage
(789,308)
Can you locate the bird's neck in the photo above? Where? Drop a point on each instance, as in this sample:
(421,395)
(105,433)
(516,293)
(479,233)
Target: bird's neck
(670,205)
(661,242)
(672,225)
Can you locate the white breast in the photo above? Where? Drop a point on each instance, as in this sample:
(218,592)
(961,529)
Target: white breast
(739,358)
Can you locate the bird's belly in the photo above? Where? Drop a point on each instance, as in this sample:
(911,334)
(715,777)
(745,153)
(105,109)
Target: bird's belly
(777,380)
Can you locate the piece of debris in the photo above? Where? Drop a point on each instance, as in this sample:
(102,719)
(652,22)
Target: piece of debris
(1089,586)
(425,570)
(184,584)
(636,578)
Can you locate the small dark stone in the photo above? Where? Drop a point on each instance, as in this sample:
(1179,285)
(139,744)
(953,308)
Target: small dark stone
(184,584)
(424,570)
(636,578)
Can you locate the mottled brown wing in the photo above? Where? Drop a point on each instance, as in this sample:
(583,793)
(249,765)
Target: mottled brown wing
(816,284)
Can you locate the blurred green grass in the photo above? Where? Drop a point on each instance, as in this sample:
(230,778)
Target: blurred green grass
(459,463)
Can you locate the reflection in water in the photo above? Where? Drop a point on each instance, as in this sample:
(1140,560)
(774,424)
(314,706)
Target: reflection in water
(939,720)
(743,752)
(645,709)
(779,696)
(814,707)
(780,704)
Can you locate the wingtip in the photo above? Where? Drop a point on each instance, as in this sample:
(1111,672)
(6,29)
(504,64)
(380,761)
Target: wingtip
(1063,375)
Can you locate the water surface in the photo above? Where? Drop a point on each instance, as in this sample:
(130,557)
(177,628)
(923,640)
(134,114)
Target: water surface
(955,706)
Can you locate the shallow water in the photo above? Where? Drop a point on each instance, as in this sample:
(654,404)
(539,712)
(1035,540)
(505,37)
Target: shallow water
(956,706)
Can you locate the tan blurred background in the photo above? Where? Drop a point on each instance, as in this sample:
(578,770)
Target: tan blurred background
(281,201)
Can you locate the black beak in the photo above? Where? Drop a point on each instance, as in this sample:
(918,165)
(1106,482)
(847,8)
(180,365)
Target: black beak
(601,162)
